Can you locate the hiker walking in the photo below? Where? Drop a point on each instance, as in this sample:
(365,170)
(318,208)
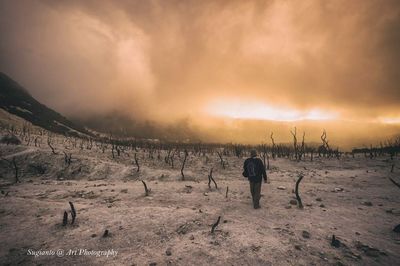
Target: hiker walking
(254,170)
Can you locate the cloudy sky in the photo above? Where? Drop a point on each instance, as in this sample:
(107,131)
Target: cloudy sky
(164,60)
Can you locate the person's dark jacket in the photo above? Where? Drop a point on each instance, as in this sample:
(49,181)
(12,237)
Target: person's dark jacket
(259,170)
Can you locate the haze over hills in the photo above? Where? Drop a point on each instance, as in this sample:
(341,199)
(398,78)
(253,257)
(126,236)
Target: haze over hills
(343,134)
(16,100)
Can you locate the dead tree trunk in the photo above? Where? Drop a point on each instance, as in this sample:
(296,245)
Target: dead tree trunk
(294,134)
(73,212)
(215,225)
(172,159)
(273,145)
(226,193)
(326,150)
(51,147)
(137,164)
(210,178)
(183,165)
(65,218)
(297,191)
(166,159)
(302,147)
(264,155)
(146,190)
(221,159)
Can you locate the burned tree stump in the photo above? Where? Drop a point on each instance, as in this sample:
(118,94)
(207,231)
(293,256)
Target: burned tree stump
(297,191)
(73,212)
(146,190)
(391,170)
(335,242)
(210,178)
(215,225)
(226,193)
(106,233)
(65,219)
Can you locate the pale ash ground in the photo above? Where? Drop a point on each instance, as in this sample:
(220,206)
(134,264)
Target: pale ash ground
(107,194)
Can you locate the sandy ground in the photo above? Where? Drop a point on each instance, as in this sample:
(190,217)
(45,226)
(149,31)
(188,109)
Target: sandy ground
(351,198)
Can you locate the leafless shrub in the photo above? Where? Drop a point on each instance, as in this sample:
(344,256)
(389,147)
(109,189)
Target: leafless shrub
(324,149)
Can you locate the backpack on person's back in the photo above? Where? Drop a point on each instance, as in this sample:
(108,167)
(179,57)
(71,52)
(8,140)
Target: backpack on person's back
(251,168)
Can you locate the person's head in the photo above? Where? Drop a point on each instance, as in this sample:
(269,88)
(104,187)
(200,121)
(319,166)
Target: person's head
(253,153)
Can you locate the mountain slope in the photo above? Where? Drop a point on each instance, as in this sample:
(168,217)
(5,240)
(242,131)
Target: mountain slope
(16,100)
